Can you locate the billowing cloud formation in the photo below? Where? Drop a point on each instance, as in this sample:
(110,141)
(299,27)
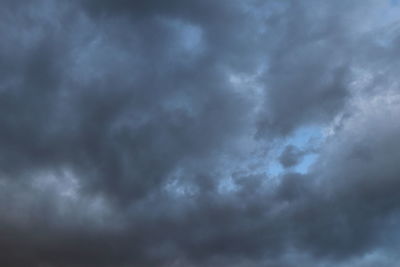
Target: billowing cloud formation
(139,133)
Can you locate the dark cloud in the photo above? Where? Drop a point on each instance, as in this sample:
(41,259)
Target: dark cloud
(291,156)
(136,133)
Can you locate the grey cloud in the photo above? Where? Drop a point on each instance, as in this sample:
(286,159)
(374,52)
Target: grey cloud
(127,131)
(291,156)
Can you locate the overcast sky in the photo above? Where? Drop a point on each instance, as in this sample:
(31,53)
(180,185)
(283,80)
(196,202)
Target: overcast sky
(199,133)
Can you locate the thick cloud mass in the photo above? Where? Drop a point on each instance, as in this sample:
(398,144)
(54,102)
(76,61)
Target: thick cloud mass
(141,133)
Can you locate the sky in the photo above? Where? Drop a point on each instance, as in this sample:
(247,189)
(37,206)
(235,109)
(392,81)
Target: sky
(199,133)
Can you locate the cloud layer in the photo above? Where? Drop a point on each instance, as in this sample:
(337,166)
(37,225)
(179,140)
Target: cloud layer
(141,133)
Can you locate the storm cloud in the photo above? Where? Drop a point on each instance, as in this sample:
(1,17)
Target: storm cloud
(199,133)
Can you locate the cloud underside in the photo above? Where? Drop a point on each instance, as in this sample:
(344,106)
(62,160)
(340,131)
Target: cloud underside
(139,133)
